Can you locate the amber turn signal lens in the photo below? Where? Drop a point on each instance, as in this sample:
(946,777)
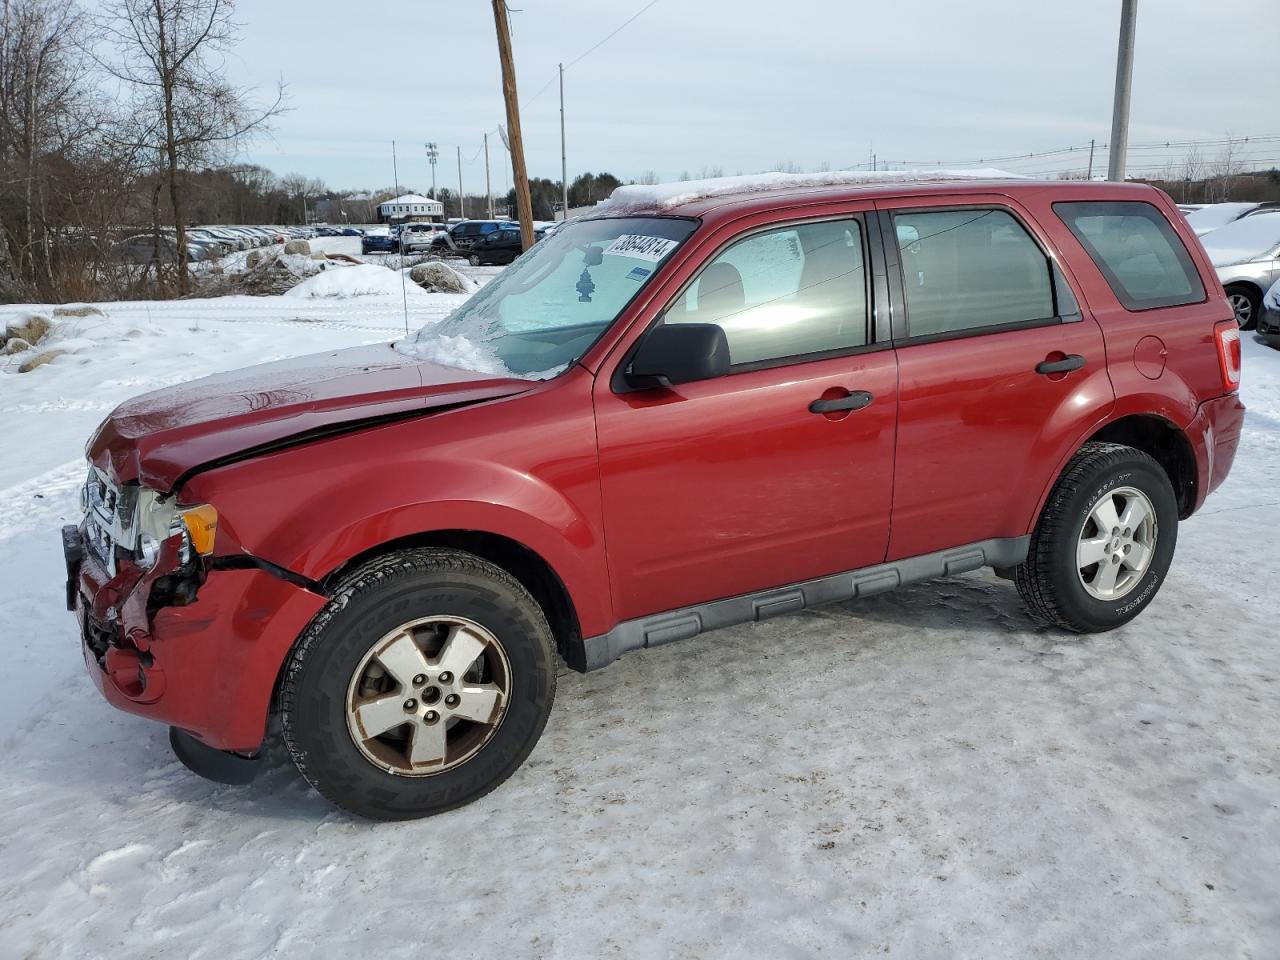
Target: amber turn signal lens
(202,527)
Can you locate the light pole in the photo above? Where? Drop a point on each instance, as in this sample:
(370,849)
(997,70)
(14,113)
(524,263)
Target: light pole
(1124,81)
(564,163)
(432,155)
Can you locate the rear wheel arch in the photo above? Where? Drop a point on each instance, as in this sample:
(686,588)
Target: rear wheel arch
(1164,442)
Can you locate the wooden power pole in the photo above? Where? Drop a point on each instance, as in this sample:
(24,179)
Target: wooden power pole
(513,122)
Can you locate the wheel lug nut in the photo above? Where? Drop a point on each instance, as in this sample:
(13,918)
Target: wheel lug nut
(446,677)
(431,716)
(411,704)
(420,679)
(1128,532)
(451,700)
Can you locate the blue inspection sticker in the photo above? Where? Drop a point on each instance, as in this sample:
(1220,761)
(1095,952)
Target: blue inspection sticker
(638,273)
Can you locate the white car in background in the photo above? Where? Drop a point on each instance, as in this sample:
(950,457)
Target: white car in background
(1208,217)
(1269,319)
(1246,254)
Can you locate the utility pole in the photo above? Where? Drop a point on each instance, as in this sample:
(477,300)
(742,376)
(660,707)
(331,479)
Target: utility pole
(462,201)
(564,163)
(513,122)
(432,154)
(1089,175)
(1119,145)
(488,190)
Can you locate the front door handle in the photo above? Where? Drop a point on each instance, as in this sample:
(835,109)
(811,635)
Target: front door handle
(1072,361)
(854,401)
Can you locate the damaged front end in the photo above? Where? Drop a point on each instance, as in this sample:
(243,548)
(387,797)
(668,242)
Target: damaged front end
(170,632)
(134,552)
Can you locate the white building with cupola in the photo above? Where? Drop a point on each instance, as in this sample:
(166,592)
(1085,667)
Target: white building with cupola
(411,207)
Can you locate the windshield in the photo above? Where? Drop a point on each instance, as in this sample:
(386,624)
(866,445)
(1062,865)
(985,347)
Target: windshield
(544,311)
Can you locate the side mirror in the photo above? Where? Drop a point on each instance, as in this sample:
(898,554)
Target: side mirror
(680,353)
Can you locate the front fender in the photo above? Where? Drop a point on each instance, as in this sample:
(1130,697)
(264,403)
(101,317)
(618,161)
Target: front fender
(310,509)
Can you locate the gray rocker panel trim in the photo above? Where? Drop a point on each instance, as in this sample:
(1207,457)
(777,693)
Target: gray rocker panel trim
(688,622)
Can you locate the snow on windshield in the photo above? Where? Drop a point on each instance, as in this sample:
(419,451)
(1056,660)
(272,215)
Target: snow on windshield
(664,196)
(547,309)
(1250,238)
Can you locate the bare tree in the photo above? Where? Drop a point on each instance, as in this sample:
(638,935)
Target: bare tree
(1223,173)
(183,106)
(1192,171)
(41,90)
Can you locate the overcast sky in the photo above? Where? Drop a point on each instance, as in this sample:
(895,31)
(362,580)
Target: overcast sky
(742,85)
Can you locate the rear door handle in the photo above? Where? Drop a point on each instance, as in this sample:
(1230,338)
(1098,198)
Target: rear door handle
(1068,363)
(854,401)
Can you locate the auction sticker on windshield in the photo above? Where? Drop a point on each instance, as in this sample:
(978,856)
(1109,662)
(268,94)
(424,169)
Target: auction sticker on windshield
(641,247)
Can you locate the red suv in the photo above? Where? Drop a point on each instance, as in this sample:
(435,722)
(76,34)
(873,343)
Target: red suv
(675,415)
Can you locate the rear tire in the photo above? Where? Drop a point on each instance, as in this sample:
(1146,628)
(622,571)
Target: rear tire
(349,669)
(473,260)
(1083,578)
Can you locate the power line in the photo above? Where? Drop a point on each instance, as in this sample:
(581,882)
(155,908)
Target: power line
(590,50)
(625,23)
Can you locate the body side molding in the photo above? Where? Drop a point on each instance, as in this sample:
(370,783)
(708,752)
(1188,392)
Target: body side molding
(660,628)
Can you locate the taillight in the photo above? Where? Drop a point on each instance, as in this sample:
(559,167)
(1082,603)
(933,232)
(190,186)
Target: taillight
(1227,334)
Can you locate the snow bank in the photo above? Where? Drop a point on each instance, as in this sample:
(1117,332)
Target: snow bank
(662,196)
(1243,240)
(362,280)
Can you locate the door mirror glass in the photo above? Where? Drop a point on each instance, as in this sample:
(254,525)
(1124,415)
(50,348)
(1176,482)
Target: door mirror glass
(680,353)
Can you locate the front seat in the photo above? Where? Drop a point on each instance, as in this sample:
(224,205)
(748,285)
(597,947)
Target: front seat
(720,293)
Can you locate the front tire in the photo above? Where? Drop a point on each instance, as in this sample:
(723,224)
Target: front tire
(1103,543)
(473,260)
(422,685)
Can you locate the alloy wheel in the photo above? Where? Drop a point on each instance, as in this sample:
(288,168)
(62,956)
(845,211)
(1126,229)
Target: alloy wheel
(1243,308)
(1116,544)
(428,695)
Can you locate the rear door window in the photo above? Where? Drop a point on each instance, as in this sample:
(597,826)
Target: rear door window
(1142,258)
(971,269)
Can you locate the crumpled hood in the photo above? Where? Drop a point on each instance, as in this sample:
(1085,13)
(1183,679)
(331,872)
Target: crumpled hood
(158,437)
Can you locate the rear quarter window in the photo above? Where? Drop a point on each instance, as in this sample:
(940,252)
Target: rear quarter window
(1142,258)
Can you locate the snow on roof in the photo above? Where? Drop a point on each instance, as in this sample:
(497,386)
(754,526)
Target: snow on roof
(1243,240)
(409,198)
(664,196)
(1211,216)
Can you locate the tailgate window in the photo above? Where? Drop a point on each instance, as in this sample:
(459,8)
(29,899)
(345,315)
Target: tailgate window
(1137,250)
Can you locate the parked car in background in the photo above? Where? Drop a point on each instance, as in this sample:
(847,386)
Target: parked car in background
(236,241)
(420,236)
(1269,318)
(352,232)
(499,247)
(1246,254)
(467,232)
(218,246)
(141,248)
(690,413)
(379,241)
(1210,216)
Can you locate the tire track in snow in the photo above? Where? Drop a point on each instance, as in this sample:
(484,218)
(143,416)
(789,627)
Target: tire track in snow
(41,502)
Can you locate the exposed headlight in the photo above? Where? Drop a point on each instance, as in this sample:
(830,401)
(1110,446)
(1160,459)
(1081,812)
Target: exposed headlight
(197,524)
(140,520)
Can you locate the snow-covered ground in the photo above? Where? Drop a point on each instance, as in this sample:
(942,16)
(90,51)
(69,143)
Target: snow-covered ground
(924,774)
